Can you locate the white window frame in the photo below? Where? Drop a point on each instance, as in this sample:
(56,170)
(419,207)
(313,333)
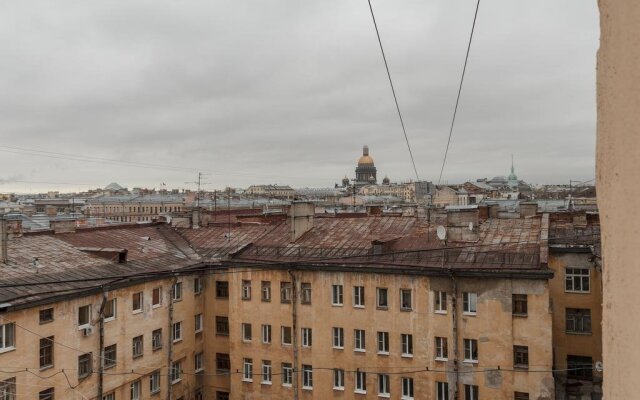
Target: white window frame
(86,324)
(136,390)
(156,339)
(247,332)
(266,334)
(360,386)
(338,338)
(384,386)
(307,377)
(154,382)
(406,341)
(440,302)
(379,297)
(404,292)
(307,337)
(176,332)
(358,296)
(286,292)
(114,310)
(469,392)
(140,296)
(246,289)
(137,346)
(197,285)
(175,372)
(469,303)
(247,370)
(109,396)
(469,345)
(4,345)
(571,273)
(305,293)
(287,374)
(337,295)
(442,390)
(407,388)
(266,372)
(338,379)
(442,348)
(176,291)
(199,323)
(359,340)
(159,291)
(198,362)
(265,291)
(383,343)
(282,335)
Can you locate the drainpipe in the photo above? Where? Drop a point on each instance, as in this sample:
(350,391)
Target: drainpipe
(294,334)
(101,341)
(454,333)
(170,340)
(4,238)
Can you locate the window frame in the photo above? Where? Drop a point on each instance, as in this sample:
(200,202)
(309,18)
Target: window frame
(198,362)
(283,330)
(110,360)
(156,292)
(305,293)
(306,335)
(383,339)
(198,323)
(267,376)
(222,322)
(578,318)
(470,351)
(403,293)
(359,340)
(247,333)
(287,374)
(441,347)
(137,302)
(380,304)
(247,369)
(46,346)
(442,390)
(337,295)
(337,334)
(572,277)
(222,289)
(266,333)
(176,332)
(307,377)
(471,392)
(469,303)
(519,305)
(137,346)
(85,365)
(439,302)
(156,339)
(286,292)
(175,372)
(520,357)
(406,342)
(176,292)
(81,312)
(408,387)
(384,386)
(265,291)
(360,382)
(45,312)
(358,297)
(154,382)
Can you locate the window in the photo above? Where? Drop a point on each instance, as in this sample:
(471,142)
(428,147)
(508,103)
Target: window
(247,370)
(521,357)
(338,379)
(136,390)
(358,296)
(383,342)
(405,300)
(46,352)
(407,388)
(470,350)
(84,316)
(8,389)
(287,374)
(266,372)
(156,297)
(307,337)
(246,332)
(266,291)
(285,292)
(440,302)
(246,290)
(383,385)
(136,302)
(110,356)
(361,382)
(137,346)
(519,304)
(46,315)
(471,392)
(578,320)
(338,338)
(109,310)
(175,372)
(47,394)
(198,362)
(359,340)
(110,396)
(222,326)
(382,300)
(266,333)
(176,291)
(198,323)
(579,367)
(176,332)
(469,303)
(306,293)
(222,395)
(337,295)
(156,339)
(442,350)
(520,396)
(407,345)
(154,382)
(222,289)
(7,336)
(307,376)
(285,333)
(442,391)
(85,365)
(577,280)
(197,285)
(223,363)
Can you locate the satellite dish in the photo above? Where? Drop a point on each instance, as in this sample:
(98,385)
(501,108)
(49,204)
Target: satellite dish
(471,226)
(441,231)
(599,367)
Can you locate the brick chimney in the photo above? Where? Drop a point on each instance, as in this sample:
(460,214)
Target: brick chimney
(300,218)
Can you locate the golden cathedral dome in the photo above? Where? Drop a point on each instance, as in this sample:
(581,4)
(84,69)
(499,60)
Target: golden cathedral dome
(365,160)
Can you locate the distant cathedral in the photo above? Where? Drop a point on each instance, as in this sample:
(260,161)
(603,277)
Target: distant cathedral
(366,170)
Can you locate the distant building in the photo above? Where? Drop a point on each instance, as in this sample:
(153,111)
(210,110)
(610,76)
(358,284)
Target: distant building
(366,172)
(271,191)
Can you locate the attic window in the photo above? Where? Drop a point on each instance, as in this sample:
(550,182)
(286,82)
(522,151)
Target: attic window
(377,248)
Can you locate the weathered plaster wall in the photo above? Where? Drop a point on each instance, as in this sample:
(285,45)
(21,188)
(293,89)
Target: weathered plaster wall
(618,171)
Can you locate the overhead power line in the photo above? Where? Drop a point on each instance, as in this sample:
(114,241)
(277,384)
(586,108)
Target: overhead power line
(393,91)
(455,110)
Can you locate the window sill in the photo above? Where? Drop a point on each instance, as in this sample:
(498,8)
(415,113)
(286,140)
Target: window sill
(109,319)
(360,391)
(470,361)
(266,300)
(521,367)
(85,326)
(358,306)
(337,305)
(177,340)
(385,308)
(578,291)
(384,395)
(383,353)
(199,331)
(109,366)
(441,312)
(287,385)
(246,299)
(176,300)
(469,313)
(7,349)
(136,356)
(268,383)
(341,389)
(46,367)
(247,380)
(156,306)
(136,311)
(359,350)
(307,388)
(155,392)
(157,348)
(338,348)
(406,398)
(286,344)
(199,370)
(404,309)
(406,355)
(578,333)
(246,341)
(517,315)
(442,359)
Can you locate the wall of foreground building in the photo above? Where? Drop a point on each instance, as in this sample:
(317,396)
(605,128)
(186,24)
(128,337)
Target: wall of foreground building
(618,167)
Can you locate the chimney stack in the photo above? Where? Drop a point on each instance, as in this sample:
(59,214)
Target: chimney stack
(301,216)
(4,238)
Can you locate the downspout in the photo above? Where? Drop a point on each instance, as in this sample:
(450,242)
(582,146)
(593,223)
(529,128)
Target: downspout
(294,334)
(101,343)
(454,333)
(169,337)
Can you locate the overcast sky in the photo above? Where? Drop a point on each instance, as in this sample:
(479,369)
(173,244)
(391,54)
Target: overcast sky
(288,91)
